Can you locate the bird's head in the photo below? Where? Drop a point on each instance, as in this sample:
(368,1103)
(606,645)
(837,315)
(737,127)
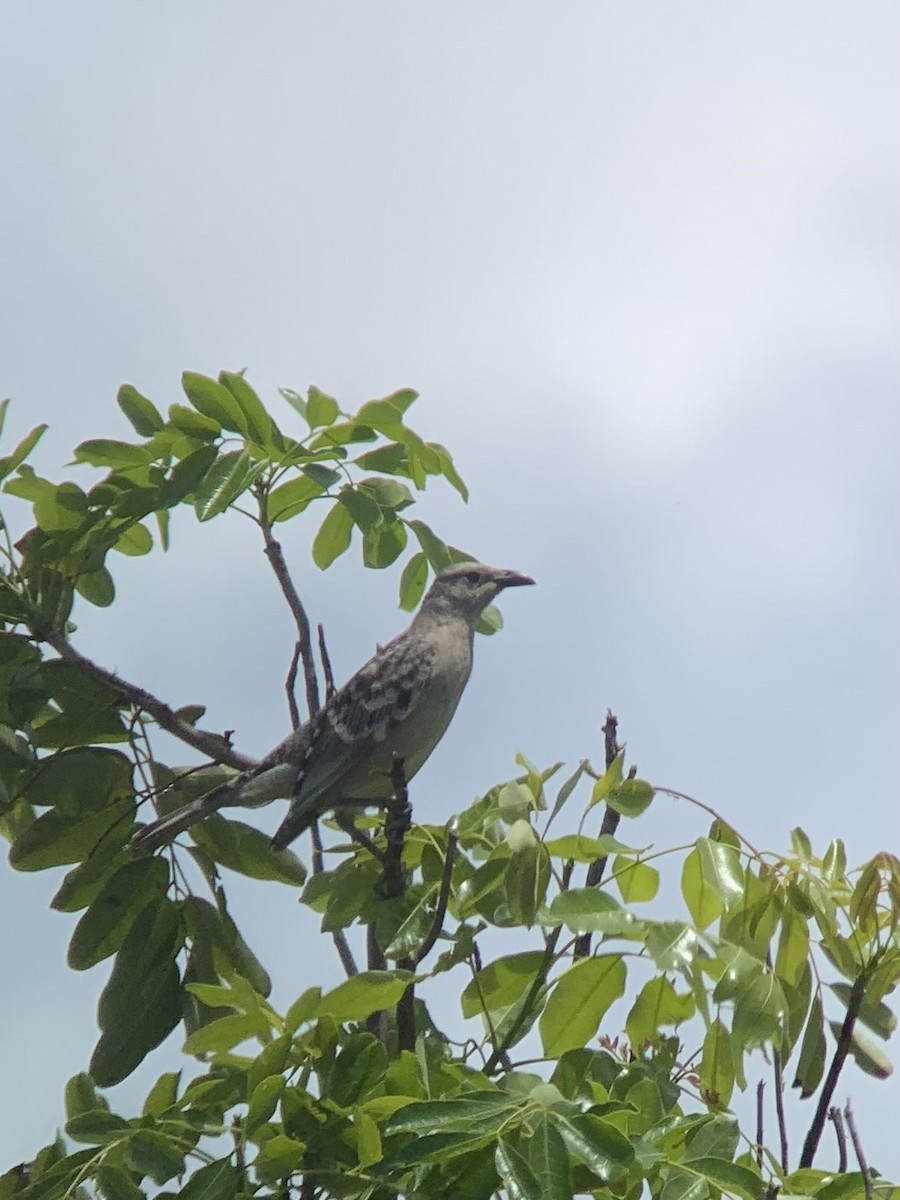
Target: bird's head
(467,588)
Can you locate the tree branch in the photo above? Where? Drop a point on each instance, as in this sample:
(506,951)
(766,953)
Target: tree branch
(837,1062)
(326,664)
(214,745)
(837,1118)
(779,1108)
(608,825)
(443,897)
(858,1151)
(276,558)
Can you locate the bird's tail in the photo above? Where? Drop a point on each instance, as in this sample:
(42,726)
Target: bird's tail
(299,818)
(166,829)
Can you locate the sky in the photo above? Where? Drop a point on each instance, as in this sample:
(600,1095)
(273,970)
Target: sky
(641,264)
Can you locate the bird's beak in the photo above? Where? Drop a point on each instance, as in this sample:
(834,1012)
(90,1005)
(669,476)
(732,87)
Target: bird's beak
(514,579)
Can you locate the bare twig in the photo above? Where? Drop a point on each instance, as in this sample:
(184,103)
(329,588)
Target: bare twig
(760,1122)
(290,686)
(326,664)
(779,1108)
(440,911)
(608,825)
(275,555)
(858,1151)
(345,954)
(318,860)
(676,795)
(841,1051)
(213,745)
(837,1119)
(499,1052)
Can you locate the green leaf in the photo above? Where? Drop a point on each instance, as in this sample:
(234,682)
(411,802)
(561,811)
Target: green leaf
(216,1181)
(721,868)
(868,1055)
(141,1003)
(333,536)
(672,945)
(588,910)
(97,587)
(97,1128)
(436,551)
(87,778)
(222,1034)
(82,1097)
(596,1143)
(366,993)
(263,1102)
(383,544)
(583,849)
(141,412)
(134,540)
(107,452)
(102,928)
(631,798)
(578,1002)
(729,1177)
(151,1153)
(321,409)
(703,903)
(501,983)
(548,1158)
(637,881)
(527,877)
(657,1004)
(53,840)
(194,424)
(114,1183)
(717,1066)
(246,850)
(760,1012)
(877,1017)
(229,476)
(214,400)
(292,497)
(62,508)
(21,452)
(515,1171)
(260,427)
(358,1069)
(163,1095)
(413,581)
(296,401)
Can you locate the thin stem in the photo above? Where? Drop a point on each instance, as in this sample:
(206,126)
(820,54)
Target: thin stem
(779,1108)
(443,897)
(858,1151)
(837,1062)
(213,745)
(837,1119)
(326,664)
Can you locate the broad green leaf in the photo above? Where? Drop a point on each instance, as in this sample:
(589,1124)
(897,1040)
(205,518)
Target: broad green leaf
(499,984)
(357,1070)
(364,511)
(877,1017)
(793,946)
(246,849)
(65,507)
(548,1158)
(321,409)
(515,1171)
(657,1004)
(230,475)
(97,587)
(21,452)
(588,910)
(703,903)
(141,1003)
(295,400)
(527,877)
(381,415)
(214,400)
(383,544)
(631,798)
(163,1095)
(154,1154)
(366,993)
(54,841)
(261,429)
(333,536)
(102,928)
(475,1112)
(263,1102)
(605,1151)
(114,1183)
(672,944)
(194,424)
(82,1097)
(97,1128)
(413,581)
(134,540)
(717,1066)
(637,881)
(436,551)
(578,1002)
(106,452)
(760,1012)
(216,1181)
(609,780)
(141,412)
(721,867)
(292,497)
(729,1177)
(83,779)
(868,1055)
(583,849)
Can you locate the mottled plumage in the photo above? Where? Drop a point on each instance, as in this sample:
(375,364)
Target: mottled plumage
(400,702)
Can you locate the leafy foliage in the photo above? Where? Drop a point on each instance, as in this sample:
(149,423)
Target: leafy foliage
(355,1091)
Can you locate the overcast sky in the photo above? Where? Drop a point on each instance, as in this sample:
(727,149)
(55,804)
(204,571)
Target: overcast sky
(640,261)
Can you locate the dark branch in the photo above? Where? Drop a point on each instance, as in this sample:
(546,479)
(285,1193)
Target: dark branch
(837,1062)
(397,821)
(837,1118)
(760,1122)
(213,745)
(290,686)
(326,664)
(608,825)
(275,556)
(858,1151)
(779,1109)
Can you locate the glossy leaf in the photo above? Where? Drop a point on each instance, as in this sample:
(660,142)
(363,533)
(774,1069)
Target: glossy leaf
(141,412)
(578,1002)
(333,536)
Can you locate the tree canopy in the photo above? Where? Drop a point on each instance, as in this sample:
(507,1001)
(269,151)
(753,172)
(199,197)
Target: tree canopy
(639,990)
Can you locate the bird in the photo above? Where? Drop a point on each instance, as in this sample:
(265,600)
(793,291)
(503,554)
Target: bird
(399,703)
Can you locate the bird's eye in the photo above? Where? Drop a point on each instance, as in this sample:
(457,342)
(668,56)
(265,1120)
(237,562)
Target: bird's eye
(472,577)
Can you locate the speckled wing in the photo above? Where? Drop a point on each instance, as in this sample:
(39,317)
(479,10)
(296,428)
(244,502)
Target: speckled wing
(348,739)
